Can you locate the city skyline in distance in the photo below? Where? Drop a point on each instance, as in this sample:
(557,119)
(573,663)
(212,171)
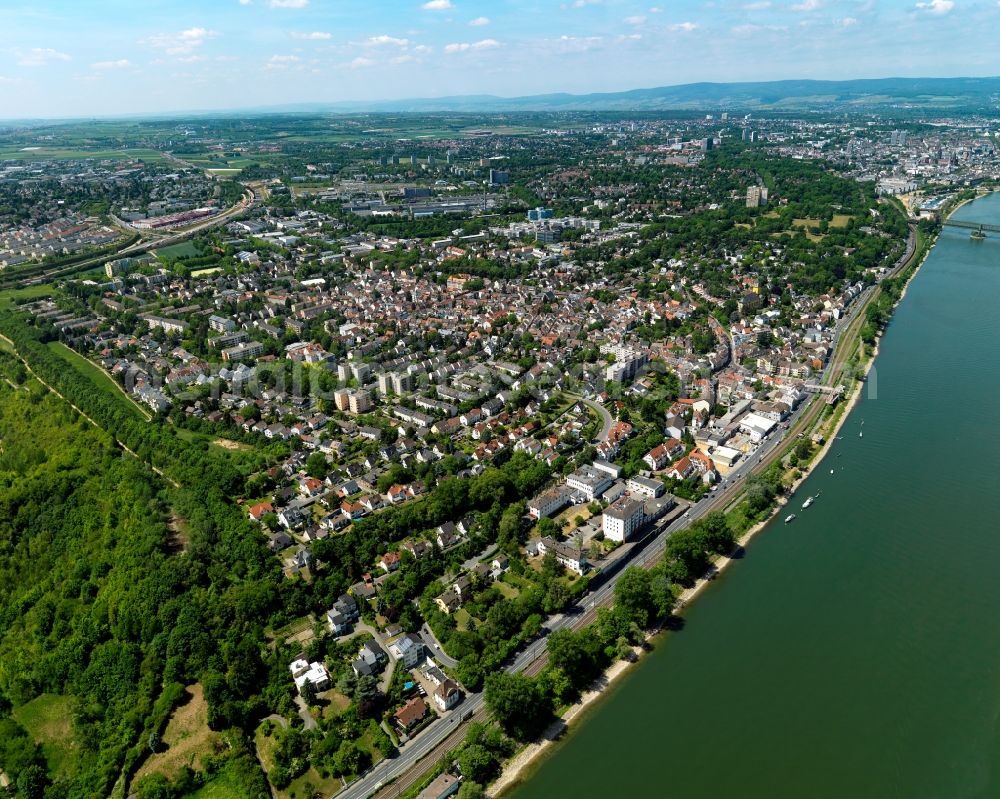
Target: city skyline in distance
(114,58)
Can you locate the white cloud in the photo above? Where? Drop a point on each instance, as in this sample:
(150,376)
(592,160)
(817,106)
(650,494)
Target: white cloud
(181,43)
(287,3)
(245,2)
(401,59)
(423,49)
(360,62)
(282,62)
(847,22)
(758,6)
(462,47)
(636,20)
(937,6)
(656,10)
(575,44)
(40,57)
(378,41)
(312,36)
(437,5)
(806,6)
(121,63)
(584,3)
(478,22)
(684,27)
(750,29)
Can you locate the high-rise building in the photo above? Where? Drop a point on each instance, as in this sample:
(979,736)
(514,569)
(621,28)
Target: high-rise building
(499,177)
(756,196)
(360,402)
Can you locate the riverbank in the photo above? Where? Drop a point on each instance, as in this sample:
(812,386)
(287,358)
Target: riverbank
(519,766)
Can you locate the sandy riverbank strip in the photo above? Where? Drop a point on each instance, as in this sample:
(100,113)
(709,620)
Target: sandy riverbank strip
(515,770)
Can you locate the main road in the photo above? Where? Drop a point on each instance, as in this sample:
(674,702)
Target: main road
(248,201)
(446,733)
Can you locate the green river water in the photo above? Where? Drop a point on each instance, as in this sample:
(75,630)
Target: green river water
(856,651)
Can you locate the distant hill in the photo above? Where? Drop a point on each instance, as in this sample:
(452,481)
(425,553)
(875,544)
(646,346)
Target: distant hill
(939,94)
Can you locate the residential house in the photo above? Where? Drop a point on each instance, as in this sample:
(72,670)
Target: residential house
(568,555)
(447,695)
(389,562)
(408,650)
(410,714)
(306,673)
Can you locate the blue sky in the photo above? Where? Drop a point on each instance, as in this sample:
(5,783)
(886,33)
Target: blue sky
(101,57)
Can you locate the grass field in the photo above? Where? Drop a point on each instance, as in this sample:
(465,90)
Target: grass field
(185,249)
(187,738)
(509,591)
(805,223)
(96,376)
(840,220)
(222,787)
(10,296)
(47,719)
(462,619)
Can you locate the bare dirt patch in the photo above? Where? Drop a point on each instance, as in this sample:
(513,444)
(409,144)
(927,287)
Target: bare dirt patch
(225,443)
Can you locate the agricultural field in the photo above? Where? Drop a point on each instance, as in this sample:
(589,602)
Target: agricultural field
(69,154)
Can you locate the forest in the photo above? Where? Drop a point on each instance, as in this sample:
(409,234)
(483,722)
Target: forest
(100,612)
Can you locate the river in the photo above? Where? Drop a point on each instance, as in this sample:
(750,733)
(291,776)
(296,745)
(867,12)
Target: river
(856,651)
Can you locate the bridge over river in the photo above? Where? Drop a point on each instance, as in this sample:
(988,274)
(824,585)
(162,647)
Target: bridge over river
(978,226)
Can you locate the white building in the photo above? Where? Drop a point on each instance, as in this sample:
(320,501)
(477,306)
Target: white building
(547,503)
(622,519)
(590,482)
(315,674)
(407,650)
(447,695)
(757,426)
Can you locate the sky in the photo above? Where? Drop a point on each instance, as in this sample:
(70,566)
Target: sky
(71,58)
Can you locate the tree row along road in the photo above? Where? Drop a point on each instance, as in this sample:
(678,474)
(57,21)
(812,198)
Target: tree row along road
(419,758)
(120,444)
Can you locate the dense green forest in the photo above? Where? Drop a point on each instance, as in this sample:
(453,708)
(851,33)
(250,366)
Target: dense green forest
(103,620)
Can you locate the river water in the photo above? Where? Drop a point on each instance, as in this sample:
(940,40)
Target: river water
(856,651)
